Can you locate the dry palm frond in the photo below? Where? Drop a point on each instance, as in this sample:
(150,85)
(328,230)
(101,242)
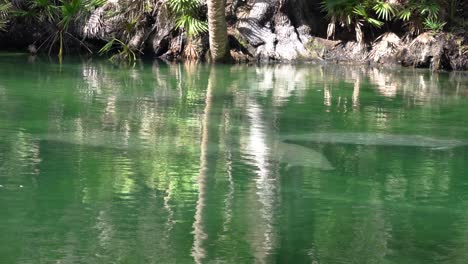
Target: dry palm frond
(243,12)
(359,33)
(385,46)
(95,24)
(331,29)
(192,50)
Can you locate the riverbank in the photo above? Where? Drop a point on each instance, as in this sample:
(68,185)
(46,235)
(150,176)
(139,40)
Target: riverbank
(279,31)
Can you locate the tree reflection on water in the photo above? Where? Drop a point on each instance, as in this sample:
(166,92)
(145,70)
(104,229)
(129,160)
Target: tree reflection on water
(178,163)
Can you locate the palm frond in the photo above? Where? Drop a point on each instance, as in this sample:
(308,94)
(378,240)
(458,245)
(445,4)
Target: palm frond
(433,24)
(186,17)
(384,10)
(5,10)
(94,25)
(405,14)
(124,51)
(192,25)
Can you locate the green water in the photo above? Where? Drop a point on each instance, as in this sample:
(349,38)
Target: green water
(174,163)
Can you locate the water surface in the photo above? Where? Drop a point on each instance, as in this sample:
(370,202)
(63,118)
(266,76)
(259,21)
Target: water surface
(184,163)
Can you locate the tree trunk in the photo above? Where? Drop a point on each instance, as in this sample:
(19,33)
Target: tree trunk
(217,29)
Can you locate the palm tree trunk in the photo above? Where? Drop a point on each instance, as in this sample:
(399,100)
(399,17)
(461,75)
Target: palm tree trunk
(217,29)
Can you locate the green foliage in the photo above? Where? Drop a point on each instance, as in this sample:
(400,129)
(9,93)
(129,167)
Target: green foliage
(433,24)
(5,10)
(69,11)
(405,14)
(61,14)
(384,10)
(416,14)
(43,10)
(128,18)
(429,9)
(362,15)
(192,25)
(357,13)
(124,51)
(339,10)
(186,16)
(184,6)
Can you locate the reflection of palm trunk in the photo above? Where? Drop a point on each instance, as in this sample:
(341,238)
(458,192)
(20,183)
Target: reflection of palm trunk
(230,196)
(357,84)
(265,239)
(207,168)
(327,96)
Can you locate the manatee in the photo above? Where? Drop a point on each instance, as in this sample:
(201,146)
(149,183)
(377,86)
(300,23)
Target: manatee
(376,139)
(295,155)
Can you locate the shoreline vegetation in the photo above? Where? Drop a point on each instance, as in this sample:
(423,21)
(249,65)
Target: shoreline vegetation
(415,33)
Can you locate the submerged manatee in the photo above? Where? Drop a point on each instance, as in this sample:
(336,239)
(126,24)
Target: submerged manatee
(296,155)
(109,140)
(290,154)
(95,139)
(377,139)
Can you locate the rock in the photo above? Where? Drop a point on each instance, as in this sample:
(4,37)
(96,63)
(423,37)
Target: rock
(268,27)
(289,46)
(348,52)
(458,54)
(321,47)
(164,26)
(385,49)
(239,56)
(32,49)
(175,48)
(256,29)
(435,51)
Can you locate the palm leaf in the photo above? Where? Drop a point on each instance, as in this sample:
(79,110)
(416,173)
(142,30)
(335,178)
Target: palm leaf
(5,10)
(384,10)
